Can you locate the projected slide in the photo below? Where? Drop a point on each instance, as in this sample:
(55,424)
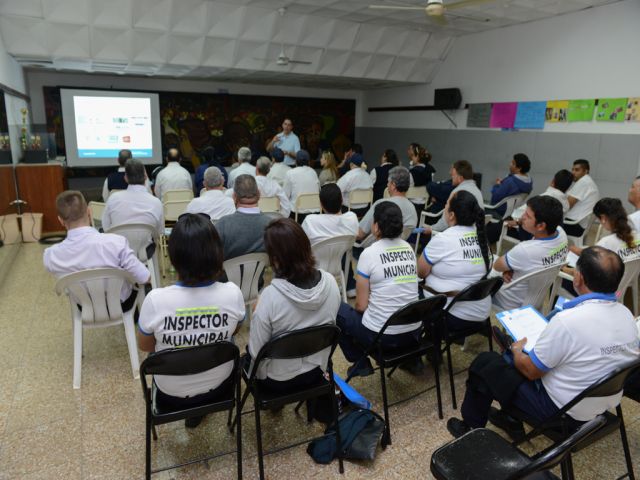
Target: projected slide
(105,126)
(100,123)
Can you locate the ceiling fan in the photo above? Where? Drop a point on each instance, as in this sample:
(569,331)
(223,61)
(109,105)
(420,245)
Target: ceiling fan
(282,59)
(436,9)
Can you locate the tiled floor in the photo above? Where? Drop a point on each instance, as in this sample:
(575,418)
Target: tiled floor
(50,431)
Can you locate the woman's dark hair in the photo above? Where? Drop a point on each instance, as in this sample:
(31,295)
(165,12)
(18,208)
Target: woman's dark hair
(388,216)
(616,214)
(392,157)
(467,211)
(289,251)
(420,152)
(195,250)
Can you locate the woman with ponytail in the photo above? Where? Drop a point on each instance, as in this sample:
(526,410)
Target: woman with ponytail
(421,171)
(457,258)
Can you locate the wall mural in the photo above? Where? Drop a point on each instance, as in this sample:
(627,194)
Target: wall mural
(193,121)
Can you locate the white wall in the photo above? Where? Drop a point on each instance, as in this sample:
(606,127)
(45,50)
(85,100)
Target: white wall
(37,79)
(588,54)
(11,75)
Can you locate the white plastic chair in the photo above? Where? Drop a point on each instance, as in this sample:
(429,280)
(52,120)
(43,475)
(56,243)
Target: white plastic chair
(580,241)
(97,209)
(505,238)
(360,196)
(173,209)
(177,195)
(423,222)
(307,201)
(328,254)
(512,202)
(245,271)
(415,193)
(539,284)
(269,204)
(97,292)
(140,236)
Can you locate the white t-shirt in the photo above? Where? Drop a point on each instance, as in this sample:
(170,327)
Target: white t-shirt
(634,220)
(456,262)
(320,227)
(549,192)
(587,193)
(301,180)
(133,205)
(172,177)
(354,179)
(278,172)
(212,202)
(626,253)
(390,266)
(270,188)
(580,346)
(527,257)
(409,215)
(244,168)
(181,316)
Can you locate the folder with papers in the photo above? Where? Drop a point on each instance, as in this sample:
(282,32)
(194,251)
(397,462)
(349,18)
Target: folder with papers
(523,322)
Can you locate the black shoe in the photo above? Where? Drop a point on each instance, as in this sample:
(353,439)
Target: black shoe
(503,340)
(193,422)
(457,427)
(414,367)
(514,428)
(362,368)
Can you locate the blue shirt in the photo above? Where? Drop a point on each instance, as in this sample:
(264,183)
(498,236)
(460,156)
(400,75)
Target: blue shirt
(288,143)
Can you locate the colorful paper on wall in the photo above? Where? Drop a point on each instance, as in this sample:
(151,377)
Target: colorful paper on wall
(530,115)
(581,110)
(633,110)
(611,109)
(503,115)
(556,111)
(479,115)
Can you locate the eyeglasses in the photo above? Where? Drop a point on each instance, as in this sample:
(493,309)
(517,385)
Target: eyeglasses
(185,215)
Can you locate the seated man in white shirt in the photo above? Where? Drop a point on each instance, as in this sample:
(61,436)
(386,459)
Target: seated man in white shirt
(332,223)
(587,339)
(279,169)
(213,201)
(245,167)
(85,248)
(173,176)
(269,187)
(634,199)
(582,196)
(547,248)
(302,179)
(355,179)
(135,204)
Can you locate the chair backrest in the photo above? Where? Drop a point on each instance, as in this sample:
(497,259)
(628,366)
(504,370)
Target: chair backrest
(245,271)
(417,311)
(138,235)
(417,192)
(406,232)
(173,209)
(97,209)
(552,456)
(538,284)
(97,291)
(579,241)
(360,196)
(328,253)
(308,201)
(269,204)
(631,272)
(299,344)
(177,195)
(477,291)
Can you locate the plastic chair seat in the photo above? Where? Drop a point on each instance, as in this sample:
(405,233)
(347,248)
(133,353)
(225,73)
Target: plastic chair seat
(162,415)
(480,454)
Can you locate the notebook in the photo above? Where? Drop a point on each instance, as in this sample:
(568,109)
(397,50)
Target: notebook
(523,322)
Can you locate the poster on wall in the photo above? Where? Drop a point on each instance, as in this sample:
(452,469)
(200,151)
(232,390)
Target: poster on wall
(611,109)
(530,115)
(633,110)
(556,111)
(479,115)
(581,110)
(503,115)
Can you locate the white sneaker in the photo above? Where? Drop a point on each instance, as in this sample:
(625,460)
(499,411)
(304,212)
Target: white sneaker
(351,293)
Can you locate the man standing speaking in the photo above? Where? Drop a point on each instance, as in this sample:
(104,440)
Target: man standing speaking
(287,141)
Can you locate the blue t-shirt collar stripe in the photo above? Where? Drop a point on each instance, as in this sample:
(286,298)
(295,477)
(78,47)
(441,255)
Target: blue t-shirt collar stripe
(611,297)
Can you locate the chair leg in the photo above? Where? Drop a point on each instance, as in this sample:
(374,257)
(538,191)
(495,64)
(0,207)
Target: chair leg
(155,433)
(343,283)
(386,437)
(147,451)
(450,368)
(239,433)
(129,331)
(259,441)
(239,412)
(634,291)
(625,444)
(77,352)
(334,404)
(489,334)
(436,370)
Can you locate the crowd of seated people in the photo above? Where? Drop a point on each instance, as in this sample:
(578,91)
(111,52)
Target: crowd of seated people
(387,275)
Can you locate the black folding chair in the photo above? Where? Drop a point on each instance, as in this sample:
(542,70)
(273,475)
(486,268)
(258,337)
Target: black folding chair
(478,291)
(561,424)
(482,454)
(428,311)
(190,361)
(291,345)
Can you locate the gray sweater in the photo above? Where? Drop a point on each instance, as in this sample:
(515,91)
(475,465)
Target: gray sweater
(242,233)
